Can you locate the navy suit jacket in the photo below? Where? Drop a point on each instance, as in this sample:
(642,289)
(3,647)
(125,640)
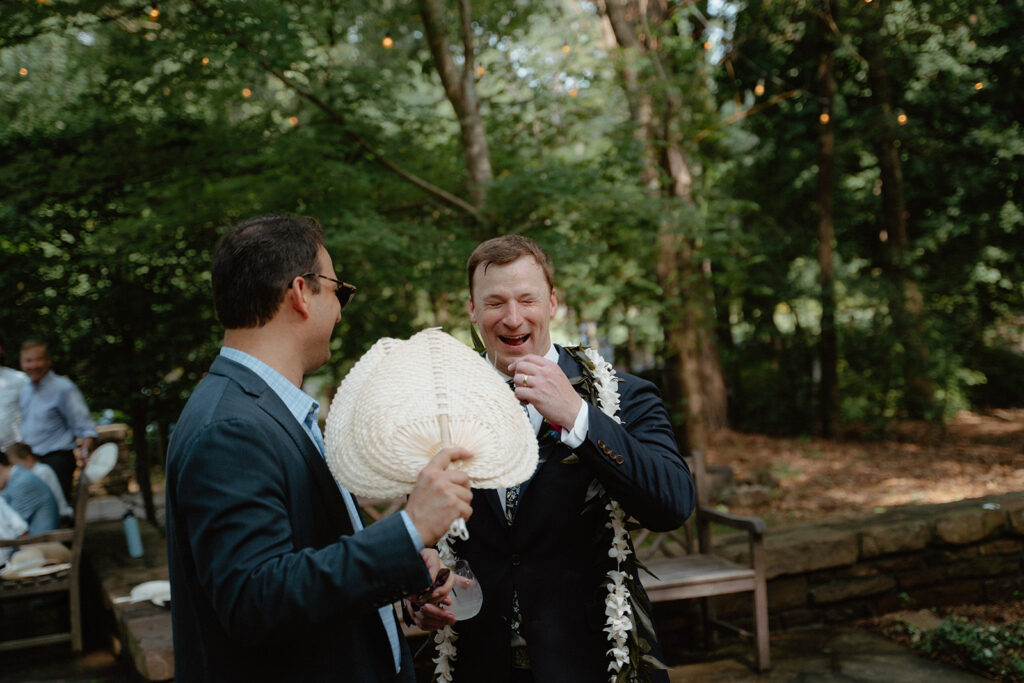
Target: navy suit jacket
(555,553)
(268,583)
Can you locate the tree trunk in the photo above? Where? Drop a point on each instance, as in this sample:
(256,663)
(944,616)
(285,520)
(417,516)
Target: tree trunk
(692,357)
(716,397)
(828,352)
(460,88)
(139,441)
(907,303)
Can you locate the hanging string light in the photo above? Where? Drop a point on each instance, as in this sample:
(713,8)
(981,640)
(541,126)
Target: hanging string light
(824,118)
(388,42)
(480,70)
(23,71)
(246,93)
(293,120)
(153,13)
(759,88)
(979,85)
(901,119)
(205,60)
(566,49)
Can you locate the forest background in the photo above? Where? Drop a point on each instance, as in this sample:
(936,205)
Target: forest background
(796,217)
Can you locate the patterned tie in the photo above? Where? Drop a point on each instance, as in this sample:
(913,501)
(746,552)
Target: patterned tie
(511,503)
(512,492)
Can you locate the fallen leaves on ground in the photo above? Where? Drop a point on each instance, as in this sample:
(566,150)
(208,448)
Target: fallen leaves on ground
(799,479)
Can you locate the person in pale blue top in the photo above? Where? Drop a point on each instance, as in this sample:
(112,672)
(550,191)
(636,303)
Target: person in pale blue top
(11,382)
(29,496)
(55,422)
(20,454)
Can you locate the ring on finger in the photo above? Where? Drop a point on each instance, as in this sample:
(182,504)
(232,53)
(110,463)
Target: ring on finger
(526,380)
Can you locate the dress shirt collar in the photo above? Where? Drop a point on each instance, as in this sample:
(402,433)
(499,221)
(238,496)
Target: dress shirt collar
(299,403)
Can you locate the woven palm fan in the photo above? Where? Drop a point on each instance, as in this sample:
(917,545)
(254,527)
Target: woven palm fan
(404,400)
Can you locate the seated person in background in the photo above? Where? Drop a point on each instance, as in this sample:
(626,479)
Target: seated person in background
(21,454)
(12,526)
(29,496)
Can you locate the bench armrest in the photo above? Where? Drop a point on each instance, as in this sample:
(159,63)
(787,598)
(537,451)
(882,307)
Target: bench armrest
(752,525)
(61,535)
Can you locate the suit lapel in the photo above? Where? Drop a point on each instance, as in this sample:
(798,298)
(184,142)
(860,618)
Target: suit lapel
(271,404)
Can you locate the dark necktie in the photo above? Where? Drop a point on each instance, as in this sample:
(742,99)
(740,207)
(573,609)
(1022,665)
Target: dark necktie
(512,492)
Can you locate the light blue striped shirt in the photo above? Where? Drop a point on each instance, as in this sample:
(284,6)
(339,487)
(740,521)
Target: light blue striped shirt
(305,409)
(53,414)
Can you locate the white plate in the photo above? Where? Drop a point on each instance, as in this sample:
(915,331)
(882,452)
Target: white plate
(157,592)
(26,572)
(101,461)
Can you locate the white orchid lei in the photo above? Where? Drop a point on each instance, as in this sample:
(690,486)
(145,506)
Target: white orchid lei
(625,615)
(445,637)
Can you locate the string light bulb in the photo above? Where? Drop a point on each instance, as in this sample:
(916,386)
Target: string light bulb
(293,120)
(246,93)
(388,42)
(902,119)
(573,92)
(759,88)
(23,71)
(480,70)
(824,118)
(707,44)
(153,13)
(566,49)
(206,60)
(979,85)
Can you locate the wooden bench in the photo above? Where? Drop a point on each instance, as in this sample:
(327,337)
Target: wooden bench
(63,581)
(684,572)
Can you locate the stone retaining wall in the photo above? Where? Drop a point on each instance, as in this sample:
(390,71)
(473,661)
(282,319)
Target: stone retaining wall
(970,551)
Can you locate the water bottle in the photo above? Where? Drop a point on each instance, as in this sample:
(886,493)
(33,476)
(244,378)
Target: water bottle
(132,535)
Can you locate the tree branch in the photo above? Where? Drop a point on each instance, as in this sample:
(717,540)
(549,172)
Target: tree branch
(338,118)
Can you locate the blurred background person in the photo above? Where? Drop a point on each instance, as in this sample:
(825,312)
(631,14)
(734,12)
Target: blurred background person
(11,382)
(20,454)
(55,422)
(29,496)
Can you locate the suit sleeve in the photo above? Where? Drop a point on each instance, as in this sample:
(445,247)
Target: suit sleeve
(638,461)
(235,493)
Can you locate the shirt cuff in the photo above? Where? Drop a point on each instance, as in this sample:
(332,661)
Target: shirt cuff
(575,437)
(414,535)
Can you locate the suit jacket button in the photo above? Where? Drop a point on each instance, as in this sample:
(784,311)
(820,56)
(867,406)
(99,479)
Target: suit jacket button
(619,459)
(600,444)
(515,559)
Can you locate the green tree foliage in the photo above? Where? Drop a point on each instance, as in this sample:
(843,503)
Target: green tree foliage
(131,138)
(949,64)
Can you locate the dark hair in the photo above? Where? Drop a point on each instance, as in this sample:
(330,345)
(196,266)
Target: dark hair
(33,343)
(506,249)
(255,262)
(18,451)
(4,461)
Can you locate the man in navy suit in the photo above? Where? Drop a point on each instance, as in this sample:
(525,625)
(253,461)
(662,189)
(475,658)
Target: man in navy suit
(541,554)
(272,576)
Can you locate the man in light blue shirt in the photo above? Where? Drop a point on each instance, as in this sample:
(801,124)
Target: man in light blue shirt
(55,422)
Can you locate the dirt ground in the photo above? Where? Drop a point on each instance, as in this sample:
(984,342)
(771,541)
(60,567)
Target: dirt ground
(807,479)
